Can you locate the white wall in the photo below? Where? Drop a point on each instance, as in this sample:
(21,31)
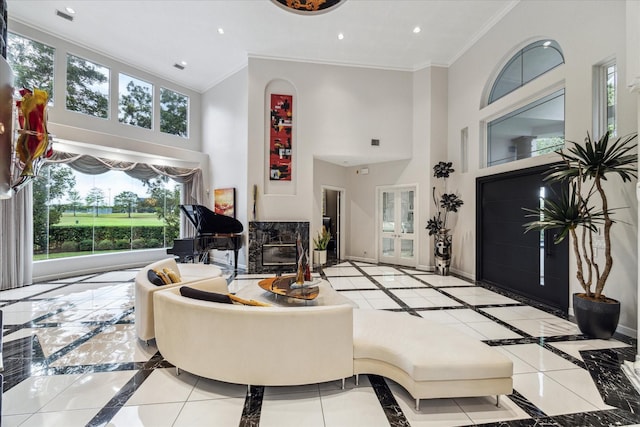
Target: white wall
(337,110)
(571,24)
(224,139)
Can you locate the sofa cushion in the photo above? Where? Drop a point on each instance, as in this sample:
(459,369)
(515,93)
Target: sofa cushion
(173,276)
(188,292)
(154,278)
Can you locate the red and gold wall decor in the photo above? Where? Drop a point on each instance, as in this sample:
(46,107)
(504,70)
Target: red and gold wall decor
(280,138)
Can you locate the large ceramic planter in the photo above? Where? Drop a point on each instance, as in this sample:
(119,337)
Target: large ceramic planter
(596,319)
(442,252)
(319,257)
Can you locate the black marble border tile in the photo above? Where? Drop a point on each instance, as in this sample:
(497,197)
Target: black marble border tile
(390,406)
(252,409)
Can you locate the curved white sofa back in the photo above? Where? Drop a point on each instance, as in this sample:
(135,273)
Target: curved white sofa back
(144,289)
(254,345)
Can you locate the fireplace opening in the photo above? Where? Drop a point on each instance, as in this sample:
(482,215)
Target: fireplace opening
(279,254)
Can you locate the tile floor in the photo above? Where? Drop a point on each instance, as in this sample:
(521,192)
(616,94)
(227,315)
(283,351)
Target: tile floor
(71,358)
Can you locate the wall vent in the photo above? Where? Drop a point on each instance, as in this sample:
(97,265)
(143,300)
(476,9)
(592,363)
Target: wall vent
(64,15)
(179,66)
(375,142)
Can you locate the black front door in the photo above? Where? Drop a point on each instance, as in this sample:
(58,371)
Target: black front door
(528,264)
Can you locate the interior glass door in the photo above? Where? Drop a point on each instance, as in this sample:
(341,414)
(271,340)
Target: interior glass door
(397,230)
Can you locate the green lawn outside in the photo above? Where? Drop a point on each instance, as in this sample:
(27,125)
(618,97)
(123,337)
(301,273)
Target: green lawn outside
(55,255)
(110,220)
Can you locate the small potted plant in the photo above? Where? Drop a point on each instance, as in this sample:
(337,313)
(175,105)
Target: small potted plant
(437,226)
(320,243)
(578,212)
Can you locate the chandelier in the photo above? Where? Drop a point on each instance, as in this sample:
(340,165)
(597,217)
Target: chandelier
(308,6)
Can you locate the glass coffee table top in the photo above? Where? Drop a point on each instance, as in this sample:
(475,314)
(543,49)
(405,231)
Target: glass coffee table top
(287,286)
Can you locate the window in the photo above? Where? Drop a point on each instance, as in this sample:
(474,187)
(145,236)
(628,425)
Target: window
(135,103)
(605,98)
(32,63)
(174,113)
(78,214)
(533,61)
(87,87)
(535,129)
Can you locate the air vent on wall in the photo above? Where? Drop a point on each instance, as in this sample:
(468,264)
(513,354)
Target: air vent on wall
(179,66)
(64,15)
(375,142)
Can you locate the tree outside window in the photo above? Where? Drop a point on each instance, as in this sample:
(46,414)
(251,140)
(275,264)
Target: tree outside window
(87,87)
(32,63)
(135,104)
(174,113)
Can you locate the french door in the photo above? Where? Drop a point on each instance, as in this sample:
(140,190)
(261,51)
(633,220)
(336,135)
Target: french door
(397,236)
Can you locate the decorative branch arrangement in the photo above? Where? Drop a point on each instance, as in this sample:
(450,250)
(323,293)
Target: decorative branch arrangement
(447,202)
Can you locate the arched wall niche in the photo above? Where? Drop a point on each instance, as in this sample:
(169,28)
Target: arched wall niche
(276,187)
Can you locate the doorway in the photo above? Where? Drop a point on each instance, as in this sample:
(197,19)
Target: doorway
(332,215)
(396,228)
(529,264)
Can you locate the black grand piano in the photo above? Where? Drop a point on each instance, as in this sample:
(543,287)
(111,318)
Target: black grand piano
(213,231)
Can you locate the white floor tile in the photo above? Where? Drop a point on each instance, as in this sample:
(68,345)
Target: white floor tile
(433,412)
(341,271)
(518,313)
(483,410)
(60,418)
(355,407)
(13,420)
(445,281)
(519,365)
(546,327)
(551,397)
(575,347)
(580,382)
(25,292)
(300,409)
(206,389)
(438,316)
(154,388)
(33,393)
(493,331)
(228,412)
(539,357)
(467,315)
(91,391)
(304,389)
(157,415)
(467,330)
(52,339)
(383,304)
(486,299)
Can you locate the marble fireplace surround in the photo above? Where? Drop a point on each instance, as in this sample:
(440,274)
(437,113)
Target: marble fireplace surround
(273,232)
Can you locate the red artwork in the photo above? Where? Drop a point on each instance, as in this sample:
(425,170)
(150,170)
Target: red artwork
(280,137)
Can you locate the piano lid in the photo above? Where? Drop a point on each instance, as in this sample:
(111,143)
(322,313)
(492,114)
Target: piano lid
(208,222)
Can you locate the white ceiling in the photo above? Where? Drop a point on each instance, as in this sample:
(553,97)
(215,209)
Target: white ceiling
(153,35)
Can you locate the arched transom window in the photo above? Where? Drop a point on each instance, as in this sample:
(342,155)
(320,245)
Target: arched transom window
(528,63)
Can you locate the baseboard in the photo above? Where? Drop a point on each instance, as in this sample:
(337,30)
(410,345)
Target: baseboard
(360,259)
(464,274)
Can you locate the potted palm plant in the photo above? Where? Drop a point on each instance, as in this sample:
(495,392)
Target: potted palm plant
(578,212)
(320,243)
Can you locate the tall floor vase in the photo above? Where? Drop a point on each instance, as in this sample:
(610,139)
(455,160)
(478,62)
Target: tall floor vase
(442,252)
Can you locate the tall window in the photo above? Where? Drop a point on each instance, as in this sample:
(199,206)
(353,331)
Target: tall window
(78,214)
(135,103)
(174,113)
(605,97)
(535,129)
(533,61)
(32,63)
(87,87)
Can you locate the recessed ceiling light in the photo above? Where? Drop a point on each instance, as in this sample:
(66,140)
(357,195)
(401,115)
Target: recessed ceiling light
(340,36)
(70,10)
(183,63)
(220,30)
(547,43)
(180,66)
(64,15)
(416,29)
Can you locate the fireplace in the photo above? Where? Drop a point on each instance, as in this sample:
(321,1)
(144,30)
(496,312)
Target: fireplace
(272,245)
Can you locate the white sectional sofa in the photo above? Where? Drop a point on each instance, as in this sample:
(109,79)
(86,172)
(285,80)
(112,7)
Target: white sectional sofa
(296,345)
(144,289)
(254,345)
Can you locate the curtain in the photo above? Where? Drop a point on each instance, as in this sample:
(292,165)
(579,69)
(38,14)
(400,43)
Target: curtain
(193,183)
(94,165)
(16,239)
